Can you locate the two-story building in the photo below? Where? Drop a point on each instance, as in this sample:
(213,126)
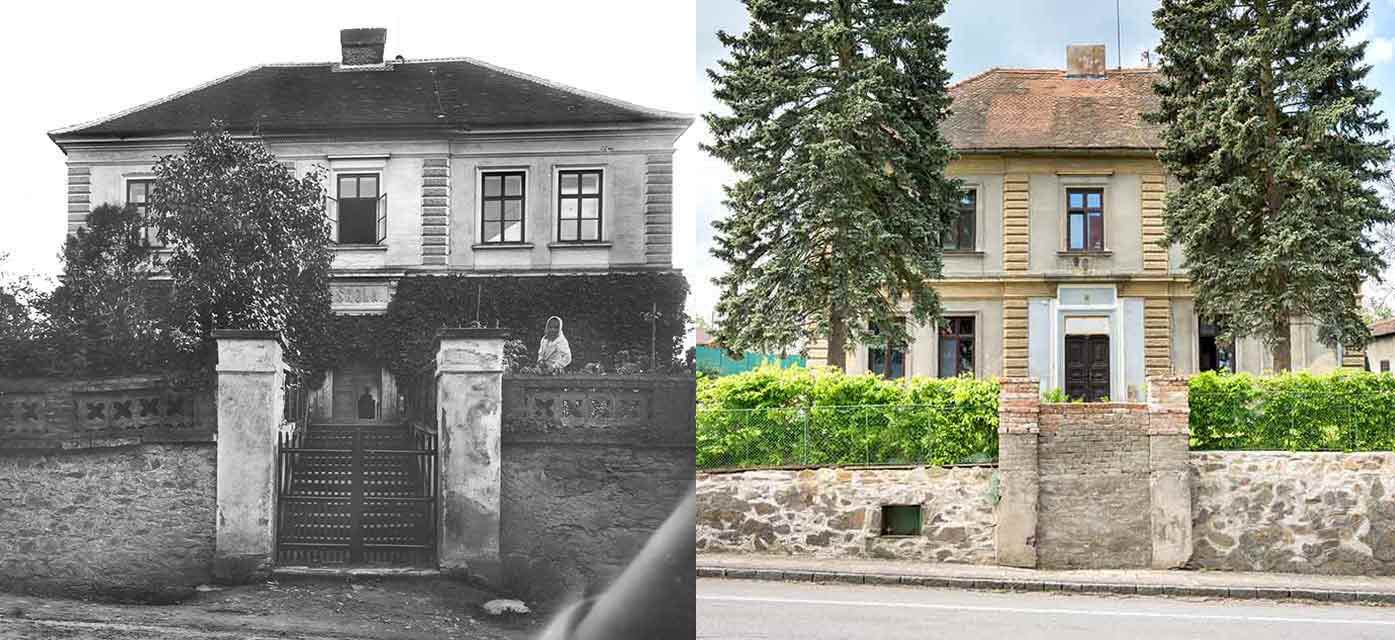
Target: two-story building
(1055,269)
(439,166)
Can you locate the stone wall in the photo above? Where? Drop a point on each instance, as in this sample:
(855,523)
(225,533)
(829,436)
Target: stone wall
(833,512)
(127,522)
(1327,513)
(591,467)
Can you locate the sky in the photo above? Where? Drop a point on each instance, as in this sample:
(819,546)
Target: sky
(1014,33)
(74,64)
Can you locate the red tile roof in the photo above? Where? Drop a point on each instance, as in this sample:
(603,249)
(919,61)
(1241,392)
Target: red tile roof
(1019,109)
(454,93)
(1383,328)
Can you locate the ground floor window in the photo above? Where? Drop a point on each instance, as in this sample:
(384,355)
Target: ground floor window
(957,346)
(1213,353)
(888,359)
(1385,366)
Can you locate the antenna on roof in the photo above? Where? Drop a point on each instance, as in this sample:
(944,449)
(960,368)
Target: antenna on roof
(1118,37)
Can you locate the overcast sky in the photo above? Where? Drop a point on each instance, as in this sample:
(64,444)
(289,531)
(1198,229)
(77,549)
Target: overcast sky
(1001,33)
(70,64)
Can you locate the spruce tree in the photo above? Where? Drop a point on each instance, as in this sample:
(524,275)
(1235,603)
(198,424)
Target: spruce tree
(837,219)
(1271,132)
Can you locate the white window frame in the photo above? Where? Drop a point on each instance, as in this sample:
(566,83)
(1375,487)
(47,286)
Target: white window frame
(555,209)
(140,176)
(376,165)
(977,187)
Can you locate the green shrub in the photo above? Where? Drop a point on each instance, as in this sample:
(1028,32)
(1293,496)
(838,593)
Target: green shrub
(774,416)
(1341,411)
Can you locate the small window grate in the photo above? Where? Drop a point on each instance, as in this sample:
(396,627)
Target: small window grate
(901,520)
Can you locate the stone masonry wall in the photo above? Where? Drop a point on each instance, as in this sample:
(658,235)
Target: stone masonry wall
(1326,513)
(1094,493)
(833,512)
(592,466)
(126,522)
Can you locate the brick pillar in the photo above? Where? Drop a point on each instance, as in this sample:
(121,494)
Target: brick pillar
(1169,476)
(1019,403)
(250,378)
(469,395)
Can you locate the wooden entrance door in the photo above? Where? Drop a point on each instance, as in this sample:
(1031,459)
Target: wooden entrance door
(350,381)
(1087,367)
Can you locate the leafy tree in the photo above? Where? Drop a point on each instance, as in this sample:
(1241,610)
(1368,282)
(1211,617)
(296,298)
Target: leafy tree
(248,241)
(1272,134)
(106,317)
(21,325)
(839,215)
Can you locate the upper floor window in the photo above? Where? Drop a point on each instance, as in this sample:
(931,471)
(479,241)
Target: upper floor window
(579,206)
(501,212)
(361,216)
(138,196)
(960,234)
(957,346)
(1085,219)
(887,358)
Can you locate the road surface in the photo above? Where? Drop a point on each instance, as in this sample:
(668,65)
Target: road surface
(742,609)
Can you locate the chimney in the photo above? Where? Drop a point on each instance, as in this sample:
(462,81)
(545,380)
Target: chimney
(1085,61)
(362,46)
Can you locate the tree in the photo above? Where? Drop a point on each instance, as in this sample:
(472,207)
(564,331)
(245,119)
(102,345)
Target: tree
(106,316)
(249,243)
(1273,137)
(839,215)
(21,325)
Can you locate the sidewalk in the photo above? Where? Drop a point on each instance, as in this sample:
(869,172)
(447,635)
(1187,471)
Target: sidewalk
(1210,584)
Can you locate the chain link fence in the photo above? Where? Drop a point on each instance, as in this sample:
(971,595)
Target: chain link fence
(1292,418)
(946,433)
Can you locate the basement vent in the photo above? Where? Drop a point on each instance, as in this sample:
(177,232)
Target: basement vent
(901,520)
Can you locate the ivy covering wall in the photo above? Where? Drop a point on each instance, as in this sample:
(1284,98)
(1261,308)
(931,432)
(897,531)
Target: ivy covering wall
(602,315)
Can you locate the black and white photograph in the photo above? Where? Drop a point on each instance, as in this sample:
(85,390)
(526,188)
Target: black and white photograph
(720,319)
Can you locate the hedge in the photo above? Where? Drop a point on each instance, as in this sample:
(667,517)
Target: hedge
(798,416)
(1342,411)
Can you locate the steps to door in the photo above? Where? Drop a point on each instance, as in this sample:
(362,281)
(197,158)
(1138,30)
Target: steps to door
(357,495)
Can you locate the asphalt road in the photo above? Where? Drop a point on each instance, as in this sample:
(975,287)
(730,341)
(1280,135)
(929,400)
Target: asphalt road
(750,609)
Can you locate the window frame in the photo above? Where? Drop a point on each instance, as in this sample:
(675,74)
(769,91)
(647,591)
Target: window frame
(945,332)
(358,174)
(580,197)
(1085,212)
(149,234)
(503,197)
(971,214)
(889,349)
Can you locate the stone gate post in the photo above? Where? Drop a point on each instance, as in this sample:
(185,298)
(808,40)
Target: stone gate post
(1169,472)
(250,377)
(469,396)
(1019,408)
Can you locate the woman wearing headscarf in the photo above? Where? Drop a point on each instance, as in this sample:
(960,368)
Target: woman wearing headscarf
(554,354)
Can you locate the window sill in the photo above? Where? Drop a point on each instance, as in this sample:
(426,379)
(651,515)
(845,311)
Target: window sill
(578,245)
(500,246)
(963,253)
(359,247)
(1092,253)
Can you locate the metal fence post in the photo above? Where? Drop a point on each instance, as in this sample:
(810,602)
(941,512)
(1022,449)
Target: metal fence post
(804,454)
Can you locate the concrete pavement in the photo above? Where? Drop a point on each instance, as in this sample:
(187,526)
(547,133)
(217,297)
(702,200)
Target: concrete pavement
(1216,584)
(745,609)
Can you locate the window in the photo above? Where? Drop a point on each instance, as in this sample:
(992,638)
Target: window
(361,216)
(1213,353)
(1085,219)
(1385,366)
(957,346)
(960,234)
(501,214)
(901,520)
(888,360)
(138,194)
(579,206)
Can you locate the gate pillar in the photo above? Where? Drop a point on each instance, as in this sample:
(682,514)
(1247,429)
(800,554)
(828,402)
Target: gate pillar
(250,377)
(469,397)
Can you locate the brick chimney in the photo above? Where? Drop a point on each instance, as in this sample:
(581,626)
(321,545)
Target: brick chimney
(1085,61)
(362,46)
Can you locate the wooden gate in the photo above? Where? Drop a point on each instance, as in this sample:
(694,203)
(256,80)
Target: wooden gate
(357,494)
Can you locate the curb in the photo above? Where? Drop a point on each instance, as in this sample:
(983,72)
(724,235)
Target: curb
(1006,584)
